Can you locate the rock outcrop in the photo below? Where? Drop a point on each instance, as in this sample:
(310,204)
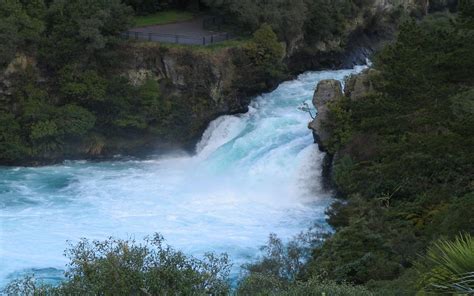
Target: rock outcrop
(358,86)
(327,91)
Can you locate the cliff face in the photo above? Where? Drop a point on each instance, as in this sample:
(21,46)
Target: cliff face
(190,73)
(205,83)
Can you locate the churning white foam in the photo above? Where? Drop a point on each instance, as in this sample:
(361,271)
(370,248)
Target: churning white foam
(253,174)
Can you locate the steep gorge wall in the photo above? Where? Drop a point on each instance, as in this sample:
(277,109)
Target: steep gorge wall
(362,35)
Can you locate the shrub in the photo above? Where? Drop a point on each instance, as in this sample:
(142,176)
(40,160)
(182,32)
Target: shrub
(125,267)
(266,53)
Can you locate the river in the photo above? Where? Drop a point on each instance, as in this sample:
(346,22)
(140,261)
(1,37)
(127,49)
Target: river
(253,174)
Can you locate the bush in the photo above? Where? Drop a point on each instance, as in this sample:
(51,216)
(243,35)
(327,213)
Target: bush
(125,267)
(266,54)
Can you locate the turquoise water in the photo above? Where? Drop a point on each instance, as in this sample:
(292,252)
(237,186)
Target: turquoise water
(253,174)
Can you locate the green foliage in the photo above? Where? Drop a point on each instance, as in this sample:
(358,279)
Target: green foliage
(147,7)
(315,20)
(74,120)
(81,86)
(325,20)
(64,90)
(339,122)
(404,159)
(140,108)
(450,266)
(285,17)
(126,267)
(144,7)
(12,146)
(261,285)
(43,130)
(281,269)
(94,27)
(265,52)
(20,27)
(280,261)
(317,287)
(163,17)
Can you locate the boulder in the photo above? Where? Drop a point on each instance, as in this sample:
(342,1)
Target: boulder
(327,91)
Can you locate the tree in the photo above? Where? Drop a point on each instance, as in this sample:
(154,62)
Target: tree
(265,52)
(324,21)
(21,26)
(285,17)
(79,31)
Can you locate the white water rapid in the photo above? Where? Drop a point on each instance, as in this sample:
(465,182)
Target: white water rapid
(253,174)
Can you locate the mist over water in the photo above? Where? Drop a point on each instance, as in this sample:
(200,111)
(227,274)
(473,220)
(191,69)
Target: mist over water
(253,174)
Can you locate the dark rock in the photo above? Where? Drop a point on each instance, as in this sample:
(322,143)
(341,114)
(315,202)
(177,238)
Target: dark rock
(327,91)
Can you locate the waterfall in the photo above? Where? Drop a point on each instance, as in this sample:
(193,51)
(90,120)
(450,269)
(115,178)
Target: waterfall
(253,174)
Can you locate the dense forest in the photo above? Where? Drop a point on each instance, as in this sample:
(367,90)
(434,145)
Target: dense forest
(403,160)
(404,165)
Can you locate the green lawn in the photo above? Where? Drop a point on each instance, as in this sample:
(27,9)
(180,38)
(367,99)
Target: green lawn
(163,17)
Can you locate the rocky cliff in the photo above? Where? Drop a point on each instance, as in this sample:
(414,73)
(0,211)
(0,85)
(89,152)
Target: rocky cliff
(328,95)
(205,83)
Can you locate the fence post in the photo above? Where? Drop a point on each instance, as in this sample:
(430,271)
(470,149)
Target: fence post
(203,40)
(136,35)
(226,36)
(212,39)
(149,37)
(176,38)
